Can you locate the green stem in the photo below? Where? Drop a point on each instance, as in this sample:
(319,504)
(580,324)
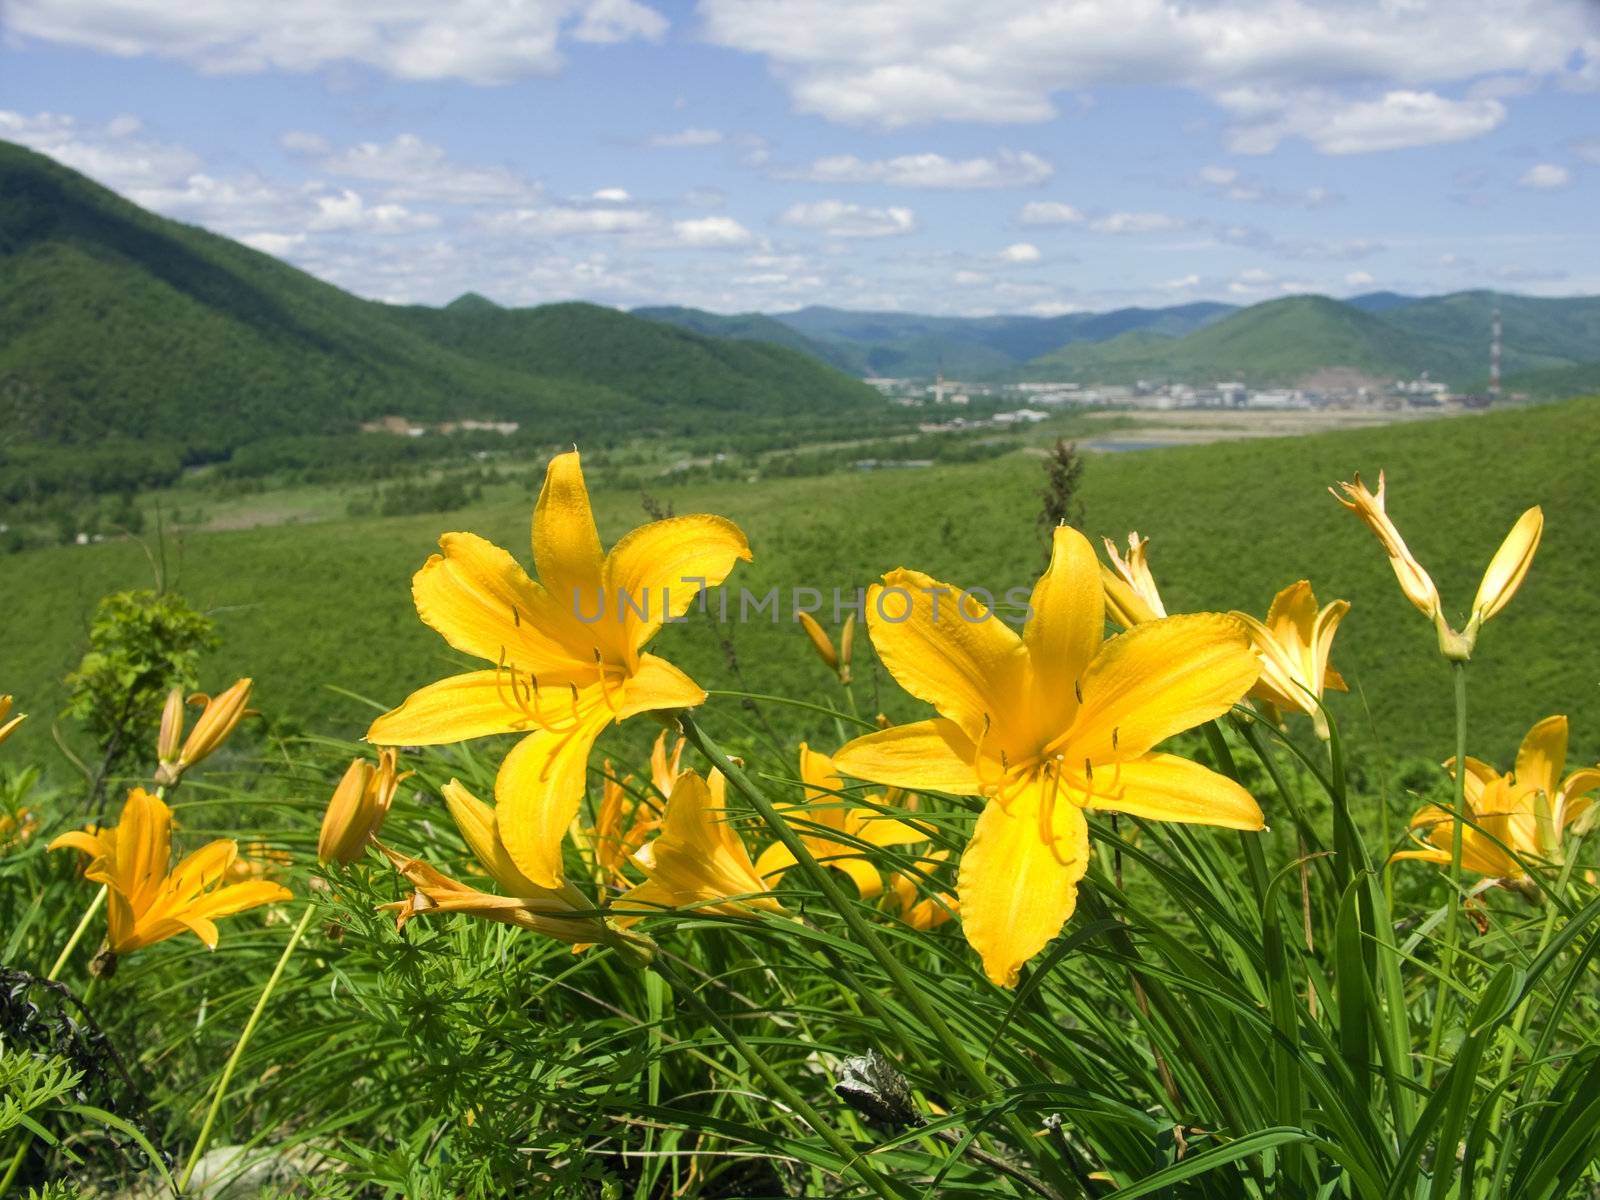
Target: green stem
(1452,932)
(77,934)
(848,1156)
(238,1049)
(819,878)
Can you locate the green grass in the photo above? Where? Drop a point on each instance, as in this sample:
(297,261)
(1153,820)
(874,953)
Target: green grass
(308,608)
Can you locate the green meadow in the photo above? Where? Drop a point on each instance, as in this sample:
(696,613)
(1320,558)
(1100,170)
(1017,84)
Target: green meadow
(314,611)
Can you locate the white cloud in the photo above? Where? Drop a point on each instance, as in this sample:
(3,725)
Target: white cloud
(111,153)
(1394,121)
(478,41)
(687,138)
(1006,169)
(1136,222)
(347,210)
(838,219)
(1218,176)
(1545,177)
(279,245)
(1181,284)
(412,169)
(711,231)
(610,195)
(966,278)
(897,62)
(1252,282)
(1049,212)
(566,220)
(1020,252)
(1588,151)
(1359,279)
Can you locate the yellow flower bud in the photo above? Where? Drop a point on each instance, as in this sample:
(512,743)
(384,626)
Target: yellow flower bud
(7,728)
(820,641)
(1509,566)
(220,718)
(171,736)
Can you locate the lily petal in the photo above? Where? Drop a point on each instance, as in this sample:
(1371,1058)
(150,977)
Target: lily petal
(1016,888)
(1066,625)
(1543,756)
(656,685)
(477,597)
(660,569)
(1159,679)
(566,545)
(1165,787)
(538,792)
(965,662)
(933,756)
(473,705)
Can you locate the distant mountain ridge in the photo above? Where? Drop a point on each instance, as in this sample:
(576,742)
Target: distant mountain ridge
(115,322)
(1276,342)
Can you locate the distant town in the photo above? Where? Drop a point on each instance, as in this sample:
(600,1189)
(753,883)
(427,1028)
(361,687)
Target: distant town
(1036,400)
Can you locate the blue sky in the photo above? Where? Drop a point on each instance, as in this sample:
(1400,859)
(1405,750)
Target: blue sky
(928,155)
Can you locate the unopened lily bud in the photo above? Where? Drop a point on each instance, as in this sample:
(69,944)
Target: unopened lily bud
(1509,566)
(1414,581)
(8,727)
(358,809)
(847,645)
(1132,597)
(221,717)
(820,641)
(171,735)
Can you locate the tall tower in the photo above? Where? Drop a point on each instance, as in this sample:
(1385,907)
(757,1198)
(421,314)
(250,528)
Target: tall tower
(1494,357)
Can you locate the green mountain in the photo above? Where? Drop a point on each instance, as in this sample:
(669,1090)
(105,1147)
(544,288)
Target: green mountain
(1536,333)
(1278,342)
(118,323)
(909,344)
(755,327)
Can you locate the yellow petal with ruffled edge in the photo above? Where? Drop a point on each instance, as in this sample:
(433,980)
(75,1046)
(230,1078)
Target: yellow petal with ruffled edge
(656,572)
(1164,787)
(957,655)
(933,756)
(480,600)
(1018,887)
(1159,679)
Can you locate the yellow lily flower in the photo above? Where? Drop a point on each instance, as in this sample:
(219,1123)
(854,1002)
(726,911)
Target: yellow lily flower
(553,912)
(1132,597)
(1502,815)
(359,807)
(1529,809)
(149,903)
(833,830)
(219,718)
(665,768)
(1293,644)
(1501,580)
(699,860)
(622,825)
(567,651)
(1046,725)
(7,728)
(15,829)
(929,912)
